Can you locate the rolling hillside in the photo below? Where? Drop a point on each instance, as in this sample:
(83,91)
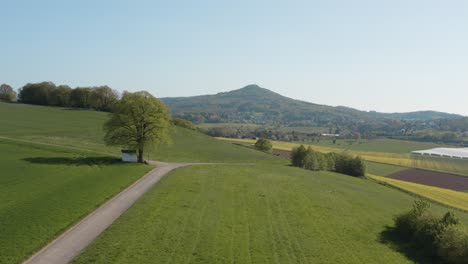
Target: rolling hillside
(253,104)
(82,130)
(245,213)
(55,170)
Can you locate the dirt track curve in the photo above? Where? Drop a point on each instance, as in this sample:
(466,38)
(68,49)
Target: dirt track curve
(74,240)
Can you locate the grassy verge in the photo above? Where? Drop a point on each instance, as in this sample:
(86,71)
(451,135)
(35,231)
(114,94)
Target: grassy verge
(44,190)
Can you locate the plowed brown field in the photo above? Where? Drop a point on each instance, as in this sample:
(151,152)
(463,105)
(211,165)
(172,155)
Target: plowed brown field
(432,178)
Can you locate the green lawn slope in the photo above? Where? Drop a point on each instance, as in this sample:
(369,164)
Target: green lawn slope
(83,130)
(55,169)
(267,212)
(44,190)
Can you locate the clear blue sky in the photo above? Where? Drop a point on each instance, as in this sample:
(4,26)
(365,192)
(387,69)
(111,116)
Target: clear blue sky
(389,56)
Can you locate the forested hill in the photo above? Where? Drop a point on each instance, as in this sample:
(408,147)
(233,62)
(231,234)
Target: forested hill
(253,104)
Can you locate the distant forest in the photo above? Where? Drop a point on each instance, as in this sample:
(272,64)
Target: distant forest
(100,98)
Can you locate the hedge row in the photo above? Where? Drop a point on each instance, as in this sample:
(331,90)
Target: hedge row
(310,159)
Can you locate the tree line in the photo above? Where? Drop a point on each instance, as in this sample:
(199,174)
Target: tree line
(310,159)
(100,98)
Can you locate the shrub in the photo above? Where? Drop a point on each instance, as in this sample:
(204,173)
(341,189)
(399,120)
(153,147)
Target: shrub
(439,238)
(453,245)
(311,160)
(357,167)
(348,165)
(298,156)
(183,123)
(330,160)
(263,144)
(407,223)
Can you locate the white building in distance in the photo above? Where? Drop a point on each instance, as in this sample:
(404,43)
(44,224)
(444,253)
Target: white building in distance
(459,153)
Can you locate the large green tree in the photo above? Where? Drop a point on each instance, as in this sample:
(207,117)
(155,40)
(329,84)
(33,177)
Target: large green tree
(137,120)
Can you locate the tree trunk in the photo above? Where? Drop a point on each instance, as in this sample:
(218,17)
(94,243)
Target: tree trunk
(140,155)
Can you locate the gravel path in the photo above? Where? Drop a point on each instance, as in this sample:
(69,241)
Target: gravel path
(69,244)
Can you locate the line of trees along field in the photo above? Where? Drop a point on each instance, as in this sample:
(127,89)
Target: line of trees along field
(310,159)
(101,98)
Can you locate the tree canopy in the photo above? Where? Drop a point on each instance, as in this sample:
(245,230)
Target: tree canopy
(7,93)
(137,120)
(180,122)
(263,144)
(101,98)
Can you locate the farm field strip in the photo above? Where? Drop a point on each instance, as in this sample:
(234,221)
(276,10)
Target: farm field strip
(382,168)
(384,146)
(432,178)
(446,165)
(454,166)
(445,196)
(228,125)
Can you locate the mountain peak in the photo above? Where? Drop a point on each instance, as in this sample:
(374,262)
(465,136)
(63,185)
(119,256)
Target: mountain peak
(252,90)
(254,104)
(251,87)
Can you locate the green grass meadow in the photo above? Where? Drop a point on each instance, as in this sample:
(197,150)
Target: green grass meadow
(191,146)
(82,130)
(55,169)
(54,125)
(44,190)
(255,214)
